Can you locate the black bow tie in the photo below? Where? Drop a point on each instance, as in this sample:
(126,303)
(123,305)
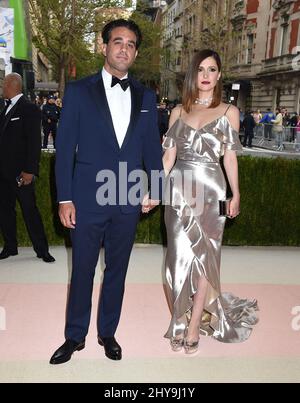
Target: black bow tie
(7,102)
(123,83)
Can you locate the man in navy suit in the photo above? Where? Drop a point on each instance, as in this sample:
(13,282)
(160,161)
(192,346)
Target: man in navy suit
(108,129)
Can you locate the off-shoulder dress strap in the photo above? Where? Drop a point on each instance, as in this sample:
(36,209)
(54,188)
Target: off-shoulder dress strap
(227,109)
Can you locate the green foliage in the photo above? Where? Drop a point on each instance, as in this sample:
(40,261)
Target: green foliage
(64,33)
(270,208)
(66,30)
(218,36)
(146,66)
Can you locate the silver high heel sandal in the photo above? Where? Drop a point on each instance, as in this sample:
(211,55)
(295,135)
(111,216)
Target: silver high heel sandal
(191,347)
(176,344)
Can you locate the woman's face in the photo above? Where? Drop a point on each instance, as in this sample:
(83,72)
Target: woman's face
(208,74)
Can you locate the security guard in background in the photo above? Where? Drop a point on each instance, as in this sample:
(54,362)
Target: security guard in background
(50,117)
(163,119)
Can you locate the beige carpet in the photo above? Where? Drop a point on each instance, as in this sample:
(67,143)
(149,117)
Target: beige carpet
(32,304)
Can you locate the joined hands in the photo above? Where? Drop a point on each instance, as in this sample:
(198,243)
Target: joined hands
(148,204)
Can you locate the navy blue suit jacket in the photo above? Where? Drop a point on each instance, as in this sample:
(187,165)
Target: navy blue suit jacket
(86,142)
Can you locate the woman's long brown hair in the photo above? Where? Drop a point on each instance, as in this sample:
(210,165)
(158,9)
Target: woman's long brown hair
(190,85)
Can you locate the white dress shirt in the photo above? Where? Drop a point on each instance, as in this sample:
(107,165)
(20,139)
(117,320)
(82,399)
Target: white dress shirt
(119,103)
(14,100)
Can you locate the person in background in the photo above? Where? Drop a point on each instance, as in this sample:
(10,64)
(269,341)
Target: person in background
(257,117)
(241,132)
(248,125)
(293,124)
(278,129)
(163,119)
(58,103)
(297,140)
(43,102)
(285,117)
(267,122)
(242,117)
(50,117)
(20,150)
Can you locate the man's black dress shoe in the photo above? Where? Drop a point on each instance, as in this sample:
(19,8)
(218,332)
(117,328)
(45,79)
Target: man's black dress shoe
(7,253)
(112,349)
(64,353)
(46,257)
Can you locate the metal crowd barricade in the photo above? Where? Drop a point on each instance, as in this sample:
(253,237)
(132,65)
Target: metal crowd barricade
(274,137)
(260,134)
(290,137)
(297,140)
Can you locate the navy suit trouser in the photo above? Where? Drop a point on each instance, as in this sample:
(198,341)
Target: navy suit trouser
(116,232)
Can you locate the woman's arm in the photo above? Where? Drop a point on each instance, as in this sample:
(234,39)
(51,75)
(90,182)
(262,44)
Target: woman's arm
(231,166)
(169,157)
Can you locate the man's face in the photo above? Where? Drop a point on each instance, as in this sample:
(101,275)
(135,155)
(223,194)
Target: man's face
(120,52)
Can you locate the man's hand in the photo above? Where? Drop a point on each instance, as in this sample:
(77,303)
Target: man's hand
(67,214)
(149,204)
(26,178)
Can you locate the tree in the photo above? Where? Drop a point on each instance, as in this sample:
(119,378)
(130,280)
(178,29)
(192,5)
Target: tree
(211,32)
(147,65)
(219,36)
(63,32)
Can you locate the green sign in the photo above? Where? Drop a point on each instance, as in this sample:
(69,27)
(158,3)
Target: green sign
(20,35)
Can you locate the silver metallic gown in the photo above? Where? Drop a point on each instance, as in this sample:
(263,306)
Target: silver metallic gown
(195,230)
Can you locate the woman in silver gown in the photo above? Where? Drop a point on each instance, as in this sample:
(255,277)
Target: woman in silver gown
(202,130)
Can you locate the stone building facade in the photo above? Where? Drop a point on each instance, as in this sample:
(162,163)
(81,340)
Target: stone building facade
(183,25)
(266,53)
(263,50)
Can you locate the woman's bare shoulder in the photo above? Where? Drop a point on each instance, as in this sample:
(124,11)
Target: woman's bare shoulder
(177,110)
(229,108)
(175,114)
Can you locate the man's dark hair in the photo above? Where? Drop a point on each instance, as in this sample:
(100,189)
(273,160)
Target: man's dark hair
(129,24)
